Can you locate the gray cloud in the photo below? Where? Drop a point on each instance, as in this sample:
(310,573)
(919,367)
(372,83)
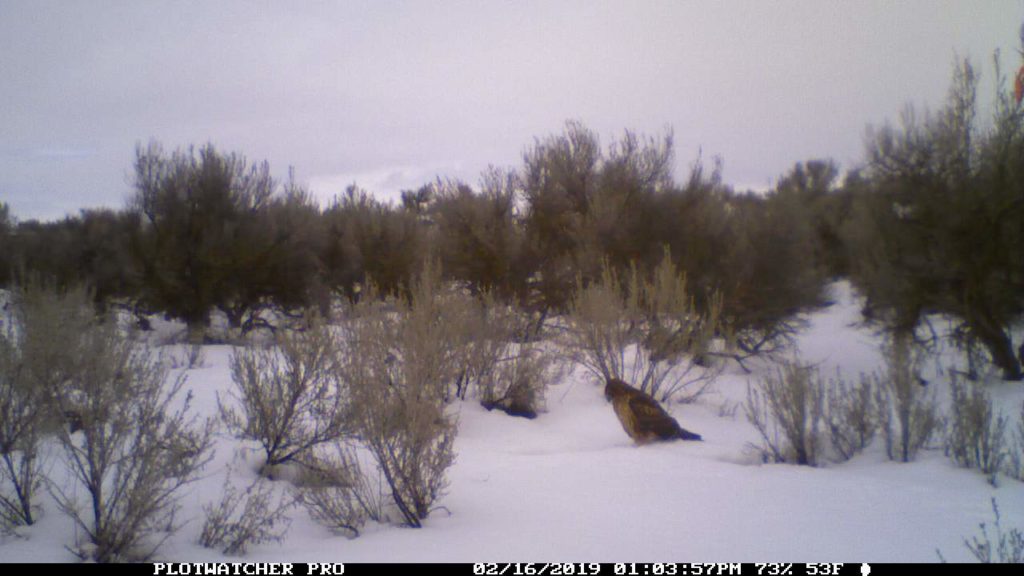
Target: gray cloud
(390,93)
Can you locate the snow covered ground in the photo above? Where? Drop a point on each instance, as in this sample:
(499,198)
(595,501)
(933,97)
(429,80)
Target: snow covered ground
(571,486)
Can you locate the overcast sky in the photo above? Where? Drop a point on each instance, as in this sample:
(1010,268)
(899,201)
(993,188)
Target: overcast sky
(392,94)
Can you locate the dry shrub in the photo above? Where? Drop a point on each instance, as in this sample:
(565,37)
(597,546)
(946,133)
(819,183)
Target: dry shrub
(788,411)
(1016,467)
(136,447)
(488,330)
(22,416)
(977,436)
(289,394)
(908,414)
(244,518)
(41,352)
(1008,547)
(851,415)
(399,359)
(644,331)
(400,362)
(503,372)
(521,380)
(796,410)
(338,493)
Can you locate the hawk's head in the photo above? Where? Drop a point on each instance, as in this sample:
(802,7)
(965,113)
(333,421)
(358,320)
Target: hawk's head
(615,388)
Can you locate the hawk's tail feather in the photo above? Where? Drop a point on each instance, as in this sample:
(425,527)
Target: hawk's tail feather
(687,435)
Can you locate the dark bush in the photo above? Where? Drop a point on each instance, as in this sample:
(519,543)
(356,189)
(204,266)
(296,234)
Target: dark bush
(936,222)
(200,233)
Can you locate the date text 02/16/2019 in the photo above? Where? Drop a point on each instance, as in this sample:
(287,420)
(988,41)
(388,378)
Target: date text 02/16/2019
(657,569)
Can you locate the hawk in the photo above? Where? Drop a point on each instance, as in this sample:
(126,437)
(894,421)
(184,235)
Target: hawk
(641,416)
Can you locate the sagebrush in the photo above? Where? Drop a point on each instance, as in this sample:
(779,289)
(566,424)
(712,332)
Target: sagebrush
(644,331)
(340,493)
(908,413)
(289,394)
(977,436)
(243,518)
(788,411)
(22,417)
(398,362)
(134,447)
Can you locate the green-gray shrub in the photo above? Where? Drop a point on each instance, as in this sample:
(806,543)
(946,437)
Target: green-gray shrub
(851,416)
(908,413)
(788,411)
(977,436)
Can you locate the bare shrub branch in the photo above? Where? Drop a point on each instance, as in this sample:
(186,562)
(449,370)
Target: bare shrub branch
(136,449)
(489,329)
(398,363)
(22,413)
(908,413)
(521,380)
(1008,547)
(245,518)
(851,415)
(40,351)
(502,372)
(788,410)
(647,332)
(796,411)
(976,436)
(1016,467)
(339,494)
(289,395)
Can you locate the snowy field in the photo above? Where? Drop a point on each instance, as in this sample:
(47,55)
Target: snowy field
(571,486)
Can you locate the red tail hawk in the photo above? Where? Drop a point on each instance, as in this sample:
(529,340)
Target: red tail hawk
(641,416)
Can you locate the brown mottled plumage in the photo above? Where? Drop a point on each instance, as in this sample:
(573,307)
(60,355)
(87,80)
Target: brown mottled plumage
(641,416)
